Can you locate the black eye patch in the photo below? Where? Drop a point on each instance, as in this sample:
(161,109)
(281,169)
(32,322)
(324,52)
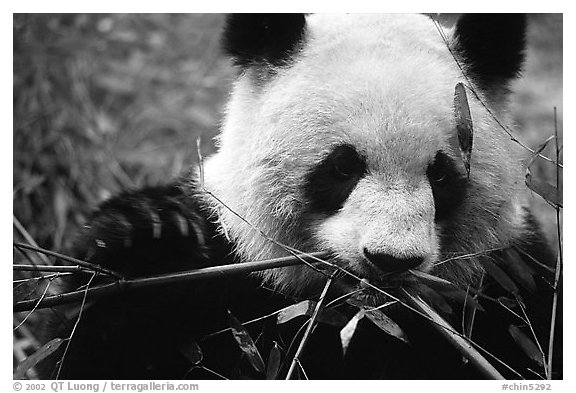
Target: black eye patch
(449,186)
(329,183)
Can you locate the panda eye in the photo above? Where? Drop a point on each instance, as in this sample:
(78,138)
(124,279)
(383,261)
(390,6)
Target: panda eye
(438,178)
(329,183)
(448,185)
(346,162)
(442,171)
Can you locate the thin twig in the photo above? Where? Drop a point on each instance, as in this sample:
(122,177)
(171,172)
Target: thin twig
(295,337)
(343,297)
(467,256)
(559,261)
(210,371)
(546,370)
(311,322)
(67,258)
(69,340)
(39,278)
(35,307)
(302,369)
(536,373)
(504,306)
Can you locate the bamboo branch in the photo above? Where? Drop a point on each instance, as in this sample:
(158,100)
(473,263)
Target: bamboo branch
(50,268)
(123,285)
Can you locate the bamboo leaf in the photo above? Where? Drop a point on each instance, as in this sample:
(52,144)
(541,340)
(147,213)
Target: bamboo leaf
(462,297)
(246,343)
(446,289)
(519,270)
(537,152)
(463,125)
(347,331)
(386,324)
(41,354)
(432,281)
(545,190)
(192,352)
(306,307)
(526,345)
(273,362)
(500,276)
(436,299)
(378,318)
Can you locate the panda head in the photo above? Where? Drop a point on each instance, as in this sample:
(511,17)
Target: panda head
(340,136)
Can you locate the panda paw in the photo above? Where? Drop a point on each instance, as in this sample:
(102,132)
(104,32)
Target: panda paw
(150,231)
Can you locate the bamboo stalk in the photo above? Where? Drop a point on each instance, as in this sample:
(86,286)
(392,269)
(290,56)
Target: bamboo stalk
(191,275)
(51,268)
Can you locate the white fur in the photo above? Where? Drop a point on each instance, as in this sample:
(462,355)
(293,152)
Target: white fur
(384,84)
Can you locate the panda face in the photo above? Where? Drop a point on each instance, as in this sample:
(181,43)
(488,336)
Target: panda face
(341,138)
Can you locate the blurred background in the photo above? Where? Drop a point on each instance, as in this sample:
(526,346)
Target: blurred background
(109,102)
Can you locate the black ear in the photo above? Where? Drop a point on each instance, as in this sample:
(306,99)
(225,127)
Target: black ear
(492,46)
(262,38)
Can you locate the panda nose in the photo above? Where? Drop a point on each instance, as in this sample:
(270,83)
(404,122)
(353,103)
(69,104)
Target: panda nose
(388,263)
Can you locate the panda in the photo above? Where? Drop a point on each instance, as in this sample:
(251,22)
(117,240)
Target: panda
(339,137)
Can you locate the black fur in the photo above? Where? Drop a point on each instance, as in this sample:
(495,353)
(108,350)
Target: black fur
(492,46)
(329,183)
(449,186)
(260,39)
